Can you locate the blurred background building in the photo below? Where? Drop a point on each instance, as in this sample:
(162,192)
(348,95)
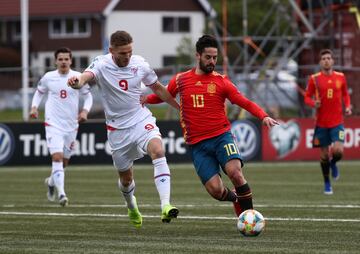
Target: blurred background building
(157,28)
(268,48)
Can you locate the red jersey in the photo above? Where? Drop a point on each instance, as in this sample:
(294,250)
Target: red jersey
(202,104)
(331,90)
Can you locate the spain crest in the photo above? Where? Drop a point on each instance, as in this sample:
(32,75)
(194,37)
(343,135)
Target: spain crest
(338,84)
(211,89)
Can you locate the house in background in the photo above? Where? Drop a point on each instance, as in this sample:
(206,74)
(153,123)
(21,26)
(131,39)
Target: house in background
(157,27)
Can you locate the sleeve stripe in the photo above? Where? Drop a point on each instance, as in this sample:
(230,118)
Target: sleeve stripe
(152,83)
(40,91)
(92,73)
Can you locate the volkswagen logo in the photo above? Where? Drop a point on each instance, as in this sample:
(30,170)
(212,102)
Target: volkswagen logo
(247,137)
(7,144)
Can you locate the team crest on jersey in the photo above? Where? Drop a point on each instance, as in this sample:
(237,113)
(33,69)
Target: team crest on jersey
(338,84)
(149,126)
(134,70)
(211,89)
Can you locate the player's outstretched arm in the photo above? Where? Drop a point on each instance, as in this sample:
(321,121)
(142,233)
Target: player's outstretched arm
(83,116)
(34,113)
(164,94)
(76,82)
(88,101)
(143,100)
(348,111)
(269,122)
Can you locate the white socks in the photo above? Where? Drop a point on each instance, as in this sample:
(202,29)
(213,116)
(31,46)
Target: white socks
(128,193)
(162,180)
(58,177)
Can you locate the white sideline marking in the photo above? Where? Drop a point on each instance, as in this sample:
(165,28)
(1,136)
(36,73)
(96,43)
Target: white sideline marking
(183,166)
(191,206)
(180,217)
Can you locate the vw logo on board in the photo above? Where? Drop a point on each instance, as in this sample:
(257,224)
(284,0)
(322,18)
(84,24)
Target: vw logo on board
(247,137)
(7,144)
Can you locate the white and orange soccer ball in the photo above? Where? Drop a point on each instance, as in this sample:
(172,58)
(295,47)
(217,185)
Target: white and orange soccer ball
(251,223)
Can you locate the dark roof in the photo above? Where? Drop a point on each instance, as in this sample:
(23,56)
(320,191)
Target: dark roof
(45,8)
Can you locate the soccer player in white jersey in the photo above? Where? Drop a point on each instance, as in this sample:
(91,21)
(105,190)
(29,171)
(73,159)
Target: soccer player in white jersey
(61,118)
(131,128)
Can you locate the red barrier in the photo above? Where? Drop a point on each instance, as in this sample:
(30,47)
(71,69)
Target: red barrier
(292,140)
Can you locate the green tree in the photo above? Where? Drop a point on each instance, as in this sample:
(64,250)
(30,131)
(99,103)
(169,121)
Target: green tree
(185,52)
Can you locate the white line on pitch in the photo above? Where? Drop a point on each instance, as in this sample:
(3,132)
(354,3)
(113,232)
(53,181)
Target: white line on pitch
(190,206)
(180,217)
(187,166)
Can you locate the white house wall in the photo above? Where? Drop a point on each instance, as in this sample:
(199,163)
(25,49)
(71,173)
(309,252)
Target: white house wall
(146,29)
(37,62)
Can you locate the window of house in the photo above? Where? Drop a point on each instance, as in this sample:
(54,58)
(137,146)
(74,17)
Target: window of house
(16,30)
(49,63)
(70,28)
(2,31)
(176,24)
(80,63)
(56,26)
(83,26)
(168,24)
(184,24)
(169,60)
(84,62)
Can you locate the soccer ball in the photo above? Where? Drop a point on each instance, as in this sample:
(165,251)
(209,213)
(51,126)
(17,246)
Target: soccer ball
(251,223)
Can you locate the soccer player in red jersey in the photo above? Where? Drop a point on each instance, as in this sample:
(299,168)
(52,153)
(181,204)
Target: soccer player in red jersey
(206,128)
(329,90)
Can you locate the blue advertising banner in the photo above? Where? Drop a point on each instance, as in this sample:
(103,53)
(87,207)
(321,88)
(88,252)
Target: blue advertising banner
(25,143)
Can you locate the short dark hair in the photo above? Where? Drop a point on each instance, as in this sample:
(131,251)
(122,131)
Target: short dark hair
(326,51)
(62,50)
(206,41)
(120,38)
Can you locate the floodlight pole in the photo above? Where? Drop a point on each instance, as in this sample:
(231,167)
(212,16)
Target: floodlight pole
(25,57)
(224,35)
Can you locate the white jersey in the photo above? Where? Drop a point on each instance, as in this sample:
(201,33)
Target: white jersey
(121,89)
(62,105)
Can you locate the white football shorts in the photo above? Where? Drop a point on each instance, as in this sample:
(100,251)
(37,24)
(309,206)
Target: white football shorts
(59,141)
(130,144)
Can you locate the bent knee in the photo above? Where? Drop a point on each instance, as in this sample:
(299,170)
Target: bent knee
(215,191)
(58,157)
(337,155)
(156,152)
(235,174)
(217,194)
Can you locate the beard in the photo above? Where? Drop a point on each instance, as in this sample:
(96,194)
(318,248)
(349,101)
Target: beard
(327,67)
(206,68)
